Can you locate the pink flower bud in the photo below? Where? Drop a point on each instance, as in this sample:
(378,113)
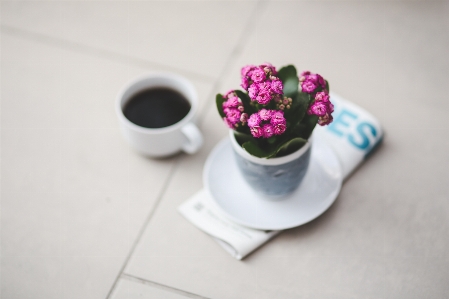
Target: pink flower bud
(279,129)
(305,73)
(263,97)
(228,123)
(318,109)
(253,90)
(258,75)
(256,131)
(233,115)
(269,68)
(322,96)
(277,86)
(325,120)
(265,114)
(244,117)
(268,130)
(246,70)
(245,83)
(308,86)
(277,117)
(233,102)
(229,94)
(254,120)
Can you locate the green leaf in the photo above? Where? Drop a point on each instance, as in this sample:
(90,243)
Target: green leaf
(309,122)
(327,85)
(247,103)
(243,129)
(291,86)
(254,149)
(272,140)
(242,137)
(289,147)
(287,72)
(299,107)
(243,96)
(219,99)
(289,78)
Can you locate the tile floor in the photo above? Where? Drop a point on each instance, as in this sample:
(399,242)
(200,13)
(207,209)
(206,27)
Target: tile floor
(84,216)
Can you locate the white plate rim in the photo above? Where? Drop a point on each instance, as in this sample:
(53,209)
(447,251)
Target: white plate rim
(207,168)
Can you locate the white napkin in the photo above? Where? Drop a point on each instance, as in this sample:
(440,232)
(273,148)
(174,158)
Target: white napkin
(353,135)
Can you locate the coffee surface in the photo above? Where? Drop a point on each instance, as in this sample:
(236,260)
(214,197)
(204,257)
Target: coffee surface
(156,108)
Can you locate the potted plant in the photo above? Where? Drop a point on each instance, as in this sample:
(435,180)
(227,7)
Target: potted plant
(272,121)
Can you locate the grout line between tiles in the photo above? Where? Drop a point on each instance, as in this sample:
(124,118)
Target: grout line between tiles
(248,28)
(160,286)
(97,52)
(152,212)
(145,224)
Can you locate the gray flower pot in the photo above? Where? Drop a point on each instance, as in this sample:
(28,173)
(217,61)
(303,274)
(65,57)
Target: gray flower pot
(272,178)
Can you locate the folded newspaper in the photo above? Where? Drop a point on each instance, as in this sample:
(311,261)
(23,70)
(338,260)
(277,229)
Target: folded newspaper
(353,135)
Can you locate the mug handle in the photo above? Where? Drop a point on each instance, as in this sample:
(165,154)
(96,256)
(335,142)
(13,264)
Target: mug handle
(194,137)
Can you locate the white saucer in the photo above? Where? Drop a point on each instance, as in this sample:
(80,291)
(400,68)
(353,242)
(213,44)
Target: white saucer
(241,204)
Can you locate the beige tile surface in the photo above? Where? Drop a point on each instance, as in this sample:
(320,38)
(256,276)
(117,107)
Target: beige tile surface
(193,36)
(28,163)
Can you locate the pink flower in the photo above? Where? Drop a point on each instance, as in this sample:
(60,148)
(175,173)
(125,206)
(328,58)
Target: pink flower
(321,81)
(322,96)
(317,80)
(308,86)
(232,102)
(318,108)
(330,107)
(256,131)
(258,75)
(244,117)
(267,123)
(264,86)
(325,120)
(305,73)
(279,129)
(246,70)
(268,130)
(277,98)
(323,108)
(277,117)
(233,115)
(264,97)
(245,83)
(265,114)
(277,86)
(253,91)
(228,123)
(229,93)
(308,80)
(254,120)
(268,68)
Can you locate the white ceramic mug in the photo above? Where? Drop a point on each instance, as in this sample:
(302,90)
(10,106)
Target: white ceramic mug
(160,142)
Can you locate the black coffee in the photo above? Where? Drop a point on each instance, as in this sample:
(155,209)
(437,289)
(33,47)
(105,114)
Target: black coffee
(156,108)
